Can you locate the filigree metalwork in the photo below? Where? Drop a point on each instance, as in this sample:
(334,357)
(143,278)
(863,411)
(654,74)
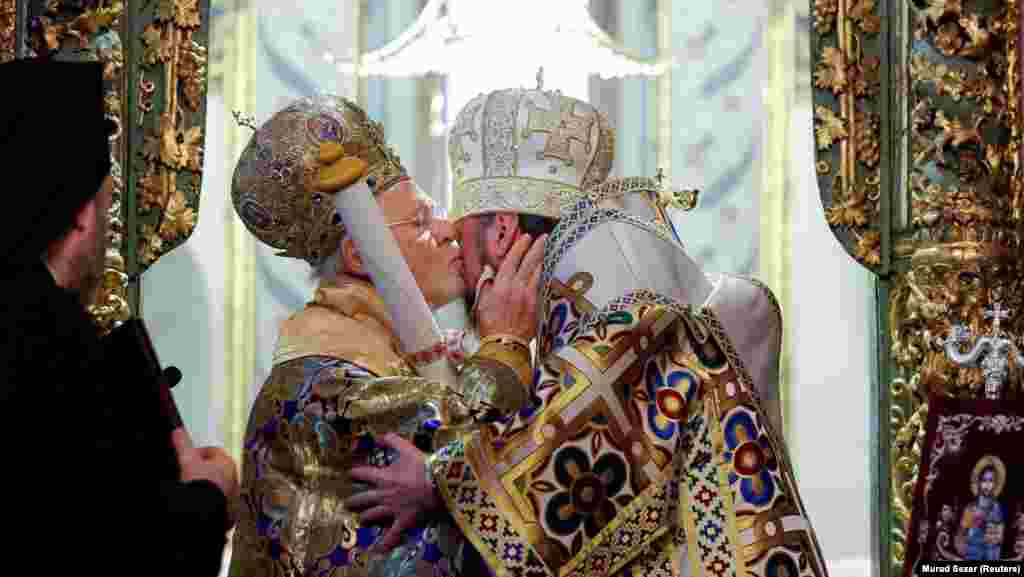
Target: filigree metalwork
(991,353)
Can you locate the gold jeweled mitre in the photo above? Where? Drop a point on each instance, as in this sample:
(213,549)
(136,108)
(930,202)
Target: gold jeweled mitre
(274,189)
(526,151)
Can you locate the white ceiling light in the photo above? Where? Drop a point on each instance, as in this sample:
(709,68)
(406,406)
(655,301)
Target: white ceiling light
(514,37)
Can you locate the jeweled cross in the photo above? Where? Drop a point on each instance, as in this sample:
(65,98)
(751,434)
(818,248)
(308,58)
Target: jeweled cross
(997,313)
(562,126)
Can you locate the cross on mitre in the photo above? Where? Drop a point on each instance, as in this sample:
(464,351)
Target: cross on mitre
(562,125)
(997,313)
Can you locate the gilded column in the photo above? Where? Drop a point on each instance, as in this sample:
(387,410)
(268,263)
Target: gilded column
(918,135)
(154,61)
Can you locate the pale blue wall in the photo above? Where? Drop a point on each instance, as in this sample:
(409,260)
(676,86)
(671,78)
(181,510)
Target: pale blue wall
(394,101)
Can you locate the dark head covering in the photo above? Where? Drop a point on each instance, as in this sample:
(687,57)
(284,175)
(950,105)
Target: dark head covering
(55,149)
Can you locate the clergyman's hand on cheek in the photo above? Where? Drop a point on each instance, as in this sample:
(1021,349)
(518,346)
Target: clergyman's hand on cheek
(509,305)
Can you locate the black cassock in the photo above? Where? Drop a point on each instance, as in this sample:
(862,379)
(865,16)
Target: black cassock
(89,475)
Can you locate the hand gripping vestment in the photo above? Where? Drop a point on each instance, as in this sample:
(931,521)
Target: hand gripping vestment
(645,450)
(312,422)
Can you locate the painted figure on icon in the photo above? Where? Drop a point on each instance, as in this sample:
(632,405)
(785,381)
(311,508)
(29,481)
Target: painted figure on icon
(983,522)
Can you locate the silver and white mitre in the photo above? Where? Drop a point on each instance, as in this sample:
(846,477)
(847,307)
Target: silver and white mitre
(527,151)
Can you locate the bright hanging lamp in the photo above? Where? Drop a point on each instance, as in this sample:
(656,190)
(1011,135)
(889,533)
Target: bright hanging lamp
(516,37)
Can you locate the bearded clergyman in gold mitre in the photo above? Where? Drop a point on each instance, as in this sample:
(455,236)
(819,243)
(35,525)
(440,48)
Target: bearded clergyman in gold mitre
(645,448)
(340,377)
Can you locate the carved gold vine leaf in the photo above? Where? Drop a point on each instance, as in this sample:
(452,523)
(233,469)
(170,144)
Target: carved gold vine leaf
(150,189)
(939,8)
(980,38)
(928,202)
(179,218)
(825,15)
(173,147)
(958,34)
(955,134)
(865,77)
(184,13)
(830,72)
(830,129)
(190,151)
(192,71)
(150,243)
(849,212)
(863,13)
(868,150)
(948,40)
(868,247)
(947,82)
(924,71)
(157,48)
(983,88)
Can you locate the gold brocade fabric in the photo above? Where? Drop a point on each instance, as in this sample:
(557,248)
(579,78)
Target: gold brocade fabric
(647,454)
(338,380)
(347,320)
(645,449)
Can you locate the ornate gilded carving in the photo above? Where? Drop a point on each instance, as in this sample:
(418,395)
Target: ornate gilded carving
(8,29)
(847,112)
(943,226)
(173,76)
(156,181)
(950,285)
(66,32)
